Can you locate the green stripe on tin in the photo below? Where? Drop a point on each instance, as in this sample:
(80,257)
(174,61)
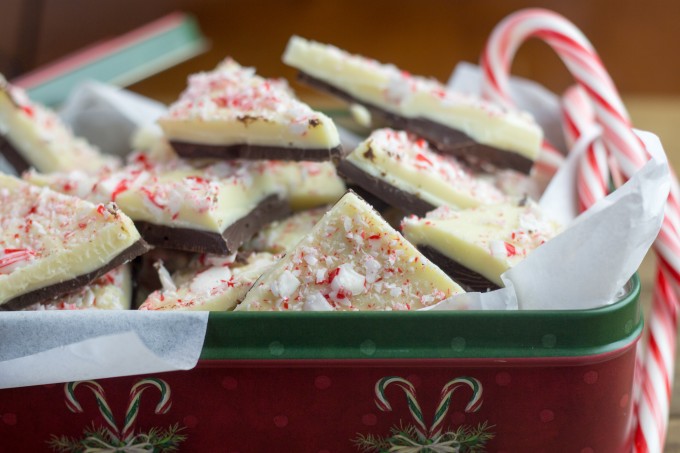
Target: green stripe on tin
(128,65)
(425,334)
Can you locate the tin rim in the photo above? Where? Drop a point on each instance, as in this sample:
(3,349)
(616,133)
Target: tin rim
(425,334)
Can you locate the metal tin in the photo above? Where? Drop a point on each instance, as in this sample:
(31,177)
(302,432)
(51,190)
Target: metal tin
(338,382)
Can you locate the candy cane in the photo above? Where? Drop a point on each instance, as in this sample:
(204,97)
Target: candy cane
(410,392)
(445,401)
(620,140)
(136,391)
(74,406)
(592,178)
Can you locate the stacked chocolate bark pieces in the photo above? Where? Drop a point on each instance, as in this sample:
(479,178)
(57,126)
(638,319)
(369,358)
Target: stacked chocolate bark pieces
(237,205)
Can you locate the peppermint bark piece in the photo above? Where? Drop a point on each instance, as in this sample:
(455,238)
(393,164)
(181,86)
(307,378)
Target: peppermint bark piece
(462,125)
(351,260)
(307,184)
(212,208)
(51,243)
(231,113)
(475,246)
(111,291)
(210,284)
(32,135)
(402,170)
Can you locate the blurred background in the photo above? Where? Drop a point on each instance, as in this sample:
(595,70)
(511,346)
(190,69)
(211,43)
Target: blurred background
(637,42)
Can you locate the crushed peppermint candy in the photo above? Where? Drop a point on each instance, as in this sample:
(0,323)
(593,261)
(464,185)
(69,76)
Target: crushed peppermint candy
(171,191)
(408,163)
(350,271)
(210,282)
(236,93)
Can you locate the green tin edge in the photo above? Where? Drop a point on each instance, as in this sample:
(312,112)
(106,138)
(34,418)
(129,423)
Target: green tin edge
(130,64)
(425,334)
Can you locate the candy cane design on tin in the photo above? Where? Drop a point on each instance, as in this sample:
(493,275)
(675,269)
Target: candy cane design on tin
(109,437)
(417,437)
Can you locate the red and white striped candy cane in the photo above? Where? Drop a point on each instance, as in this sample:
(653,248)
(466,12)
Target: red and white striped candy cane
(136,391)
(620,141)
(592,178)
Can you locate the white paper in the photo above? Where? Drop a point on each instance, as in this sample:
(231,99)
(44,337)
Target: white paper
(108,116)
(44,347)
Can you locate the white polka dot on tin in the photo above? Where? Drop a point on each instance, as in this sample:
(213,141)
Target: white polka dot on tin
(369,419)
(368,347)
(590,377)
(503,378)
(276,348)
(458,344)
(414,379)
(191,421)
(322,382)
(281,421)
(549,340)
(229,383)
(546,415)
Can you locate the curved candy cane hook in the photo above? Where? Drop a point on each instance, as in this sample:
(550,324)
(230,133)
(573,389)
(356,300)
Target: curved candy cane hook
(445,401)
(74,406)
(409,391)
(136,391)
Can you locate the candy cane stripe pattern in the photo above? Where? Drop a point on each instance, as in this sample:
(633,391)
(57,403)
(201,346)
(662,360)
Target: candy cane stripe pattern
(74,406)
(582,61)
(592,179)
(136,391)
(409,391)
(622,143)
(445,401)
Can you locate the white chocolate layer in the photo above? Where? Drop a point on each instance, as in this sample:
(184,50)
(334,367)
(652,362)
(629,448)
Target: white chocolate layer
(231,105)
(47,238)
(306,184)
(210,284)
(176,192)
(111,291)
(397,91)
(409,164)
(488,240)
(42,139)
(351,260)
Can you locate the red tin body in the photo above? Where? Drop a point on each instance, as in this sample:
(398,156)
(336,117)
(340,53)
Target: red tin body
(266,395)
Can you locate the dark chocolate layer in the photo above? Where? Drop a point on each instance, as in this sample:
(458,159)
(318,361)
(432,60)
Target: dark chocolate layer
(59,289)
(398,198)
(445,139)
(254,152)
(270,209)
(465,277)
(14,157)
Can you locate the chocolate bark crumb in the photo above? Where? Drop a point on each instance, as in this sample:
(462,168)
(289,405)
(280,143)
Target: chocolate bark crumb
(59,289)
(13,156)
(465,277)
(444,139)
(254,152)
(398,198)
(191,240)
